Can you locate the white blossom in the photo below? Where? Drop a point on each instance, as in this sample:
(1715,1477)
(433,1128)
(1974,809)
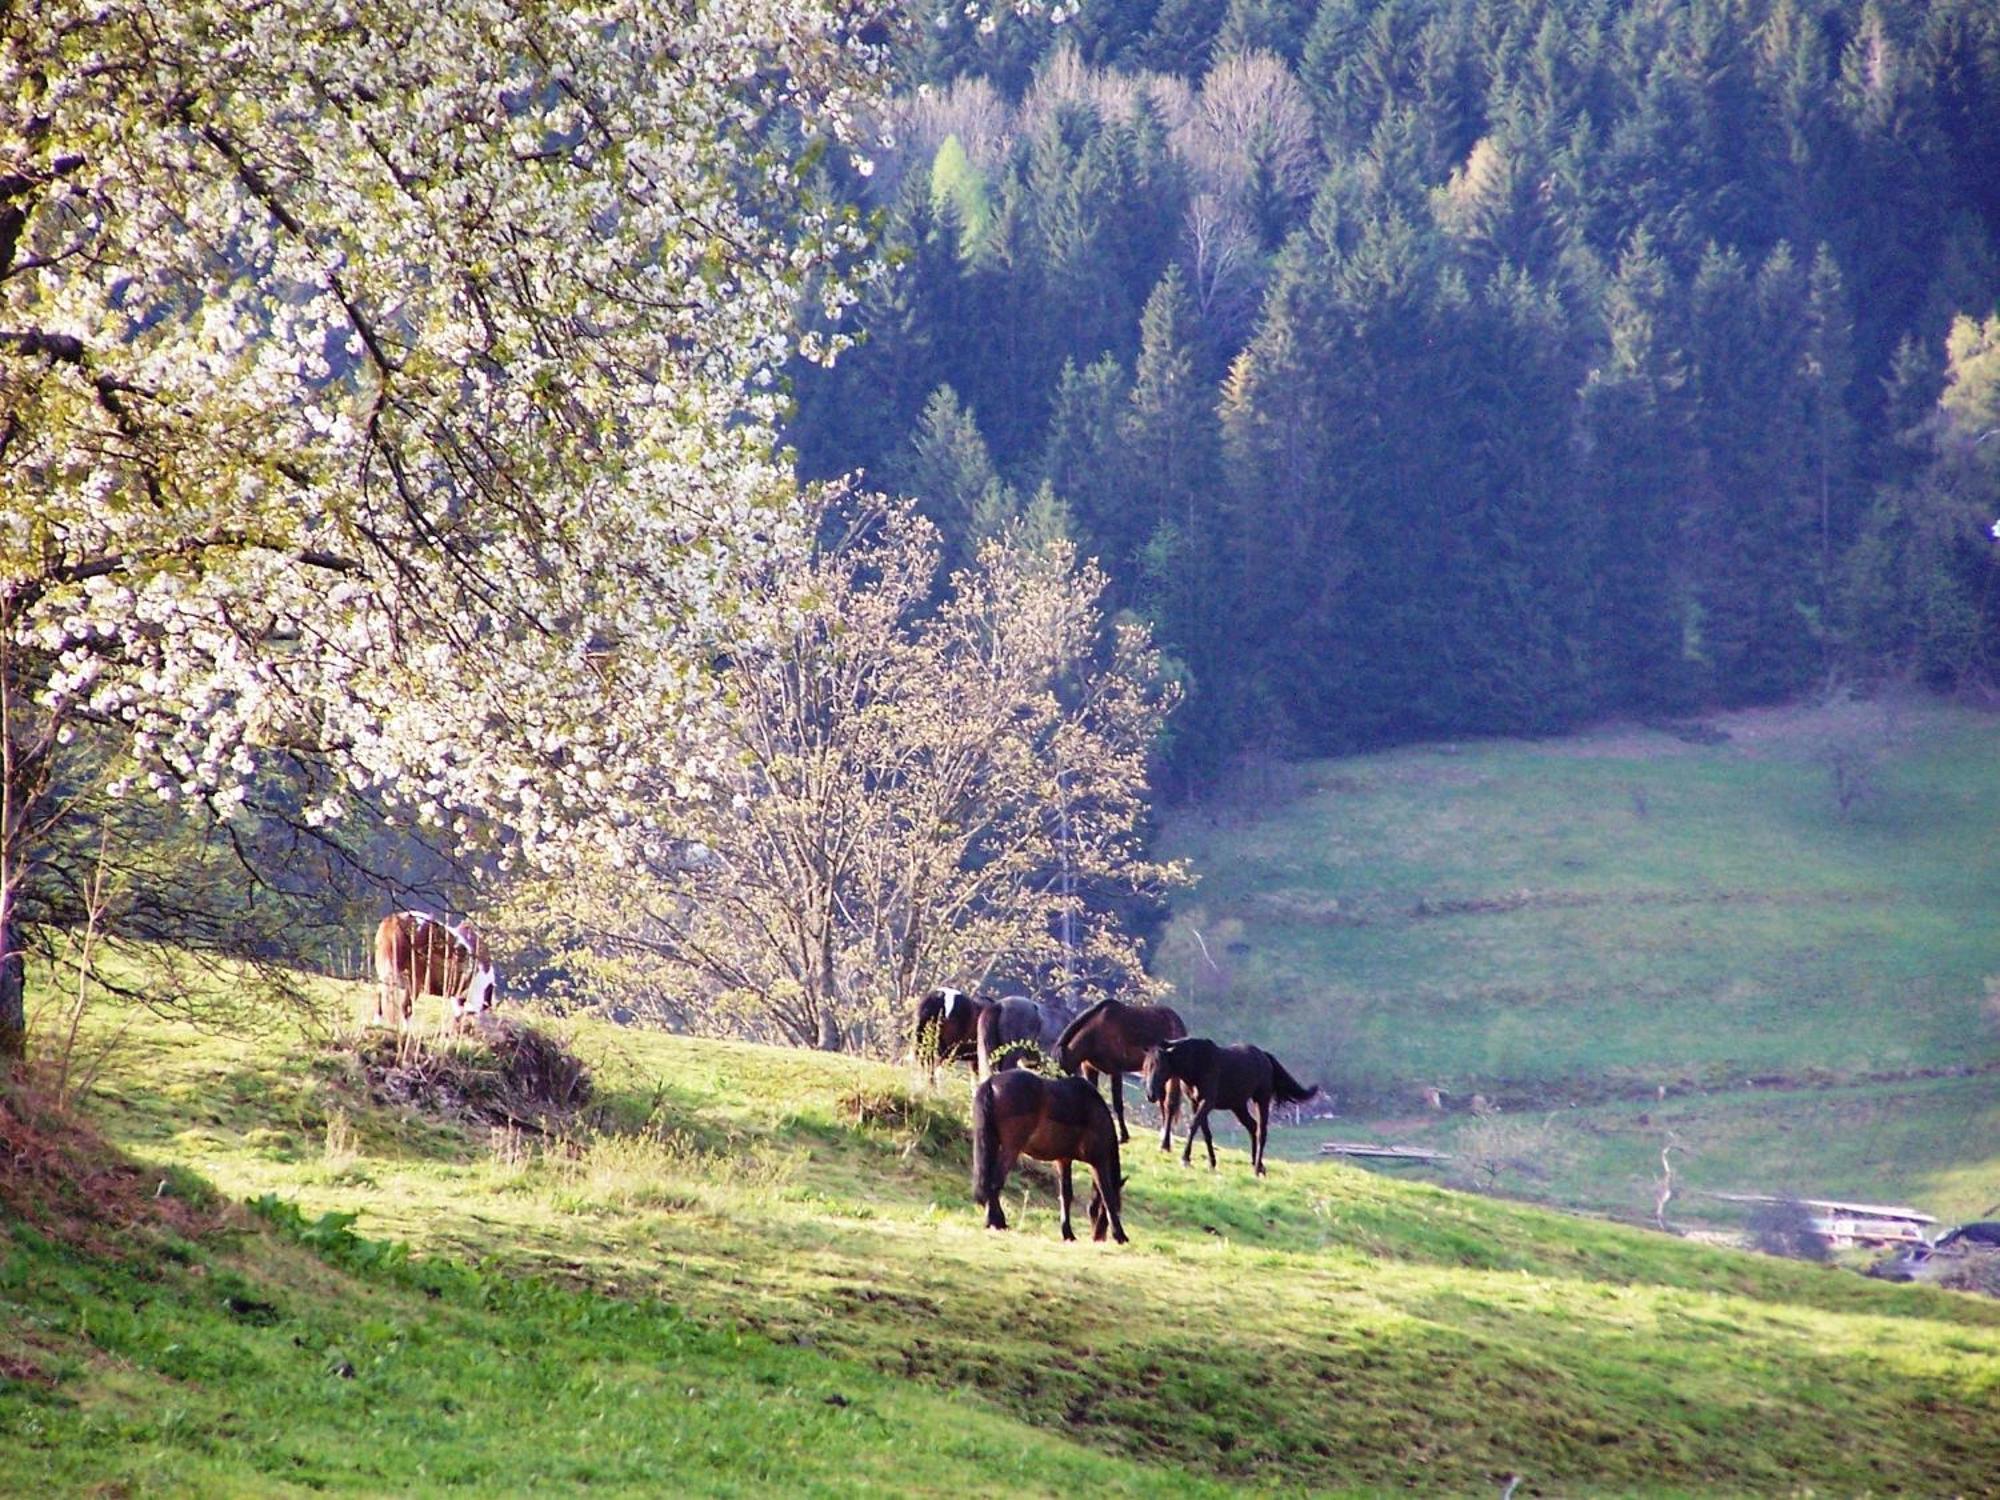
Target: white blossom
(393,380)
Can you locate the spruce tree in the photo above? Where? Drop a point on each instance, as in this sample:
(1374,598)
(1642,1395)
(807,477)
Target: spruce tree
(1084,460)
(1170,440)
(1286,530)
(947,468)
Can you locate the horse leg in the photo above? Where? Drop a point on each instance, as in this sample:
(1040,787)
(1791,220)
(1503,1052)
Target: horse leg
(1198,1123)
(995,1219)
(1242,1112)
(1101,1202)
(1208,1138)
(1068,1193)
(1118,1104)
(1170,1106)
(1263,1132)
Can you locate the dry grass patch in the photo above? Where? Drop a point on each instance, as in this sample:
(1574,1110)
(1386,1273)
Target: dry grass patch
(508,1075)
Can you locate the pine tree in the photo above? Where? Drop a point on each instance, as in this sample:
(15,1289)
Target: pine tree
(947,468)
(1181,37)
(1169,427)
(1286,530)
(1648,627)
(1829,377)
(1265,26)
(1170,440)
(1083,459)
(851,416)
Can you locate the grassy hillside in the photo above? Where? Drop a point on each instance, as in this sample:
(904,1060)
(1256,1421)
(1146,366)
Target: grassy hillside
(1655,935)
(751,1268)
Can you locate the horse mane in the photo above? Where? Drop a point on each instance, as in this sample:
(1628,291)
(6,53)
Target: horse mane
(1069,1032)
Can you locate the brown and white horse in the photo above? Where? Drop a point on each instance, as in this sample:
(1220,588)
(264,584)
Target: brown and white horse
(419,954)
(946,1028)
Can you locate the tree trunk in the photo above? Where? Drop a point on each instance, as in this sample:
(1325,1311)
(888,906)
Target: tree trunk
(13,967)
(25,747)
(829,989)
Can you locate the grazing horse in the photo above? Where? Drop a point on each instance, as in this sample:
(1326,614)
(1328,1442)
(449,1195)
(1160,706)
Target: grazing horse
(952,1016)
(1009,1027)
(417,954)
(1232,1078)
(1113,1038)
(1017,1113)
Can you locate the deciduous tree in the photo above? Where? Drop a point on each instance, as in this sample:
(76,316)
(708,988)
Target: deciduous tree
(913,795)
(393,382)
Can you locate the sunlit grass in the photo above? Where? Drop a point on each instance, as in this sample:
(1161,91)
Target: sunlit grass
(810,1219)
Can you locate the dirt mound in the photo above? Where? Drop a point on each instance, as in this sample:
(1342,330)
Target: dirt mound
(506,1075)
(1973,1271)
(60,1175)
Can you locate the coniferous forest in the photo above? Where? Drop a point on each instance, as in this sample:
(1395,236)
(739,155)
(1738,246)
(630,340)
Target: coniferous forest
(1438,367)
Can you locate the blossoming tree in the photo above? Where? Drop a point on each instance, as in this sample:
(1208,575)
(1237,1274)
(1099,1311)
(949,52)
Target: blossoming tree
(917,791)
(392,381)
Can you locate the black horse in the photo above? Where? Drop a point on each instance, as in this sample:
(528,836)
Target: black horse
(1112,1039)
(1016,1113)
(1237,1079)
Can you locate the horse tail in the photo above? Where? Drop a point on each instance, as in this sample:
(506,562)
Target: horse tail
(1287,1089)
(986,1033)
(1069,1034)
(986,1180)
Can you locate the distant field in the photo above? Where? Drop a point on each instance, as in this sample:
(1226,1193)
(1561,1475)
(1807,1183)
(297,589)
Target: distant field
(752,1271)
(1600,918)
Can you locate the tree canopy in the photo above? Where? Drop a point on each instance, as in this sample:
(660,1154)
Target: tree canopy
(395,383)
(1570,358)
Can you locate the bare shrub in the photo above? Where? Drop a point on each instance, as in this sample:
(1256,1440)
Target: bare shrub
(1975,1272)
(971,109)
(1220,251)
(1251,118)
(1065,81)
(1854,771)
(1499,1145)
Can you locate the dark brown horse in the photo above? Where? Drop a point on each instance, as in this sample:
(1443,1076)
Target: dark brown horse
(946,1028)
(1016,1113)
(1112,1039)
(1238,1079)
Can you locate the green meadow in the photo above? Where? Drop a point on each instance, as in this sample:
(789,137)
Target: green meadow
(1630,938)
(746,1270)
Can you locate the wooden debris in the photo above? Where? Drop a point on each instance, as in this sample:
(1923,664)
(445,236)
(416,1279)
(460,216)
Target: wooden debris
(1850,1223)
